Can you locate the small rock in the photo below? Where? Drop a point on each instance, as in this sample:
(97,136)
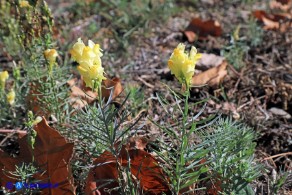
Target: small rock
(280,112)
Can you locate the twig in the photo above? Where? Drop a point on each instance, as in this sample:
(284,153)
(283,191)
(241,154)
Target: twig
(277,155)
(136,117)
(145,83)
(264,112)
(12,132)
(250,102)
(235,72)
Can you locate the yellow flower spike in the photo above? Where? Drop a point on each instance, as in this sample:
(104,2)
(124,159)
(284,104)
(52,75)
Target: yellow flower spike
(3,77)
(88,58)
(24,4)
(11,97)
(182,65)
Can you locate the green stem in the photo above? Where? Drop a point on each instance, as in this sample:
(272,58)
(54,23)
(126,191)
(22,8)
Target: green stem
(56,103)
(180,162)
(99,94)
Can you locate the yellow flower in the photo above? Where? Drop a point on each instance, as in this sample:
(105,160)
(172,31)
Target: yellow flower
(182,65)
(11,97)
(77,50)
(82,53)
(3,77)
(24,4)
(91,74)
(51,55)
(88,58)
(37,120)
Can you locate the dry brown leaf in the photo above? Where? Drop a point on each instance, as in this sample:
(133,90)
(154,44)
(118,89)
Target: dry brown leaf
(214,187)
(138,143)
(108,85)
(52,155)
(144,168)
(199,29)
(212,77)
(284,5)
(80,94)
(208,61)
(280,22)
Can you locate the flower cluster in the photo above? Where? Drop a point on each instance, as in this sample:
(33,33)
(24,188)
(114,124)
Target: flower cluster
(182,65)
(89,60)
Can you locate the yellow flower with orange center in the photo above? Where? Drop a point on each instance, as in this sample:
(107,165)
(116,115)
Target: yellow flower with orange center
(89,60)
(182,64)
(51,55)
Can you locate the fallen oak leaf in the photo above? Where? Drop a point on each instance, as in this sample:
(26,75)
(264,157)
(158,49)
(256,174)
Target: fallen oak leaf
(198,29)
(212,77)
(280,22)
(52,155)
(143,167)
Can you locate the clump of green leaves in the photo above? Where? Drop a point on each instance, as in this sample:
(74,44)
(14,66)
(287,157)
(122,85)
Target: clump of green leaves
(200,151)
(231,156)
(236,51)
(136,99)
(181,161)
(23,174)
(26,32)
(99,127)
(255,32)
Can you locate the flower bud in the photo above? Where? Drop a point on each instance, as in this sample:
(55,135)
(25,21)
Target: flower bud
(11,97)
(24,4)
(3,77)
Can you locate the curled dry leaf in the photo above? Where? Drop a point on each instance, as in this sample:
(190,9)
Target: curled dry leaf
(82,95)
(280,22)
(199,29)
(144,169)
(113,86)
(52,155)
(212,77)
